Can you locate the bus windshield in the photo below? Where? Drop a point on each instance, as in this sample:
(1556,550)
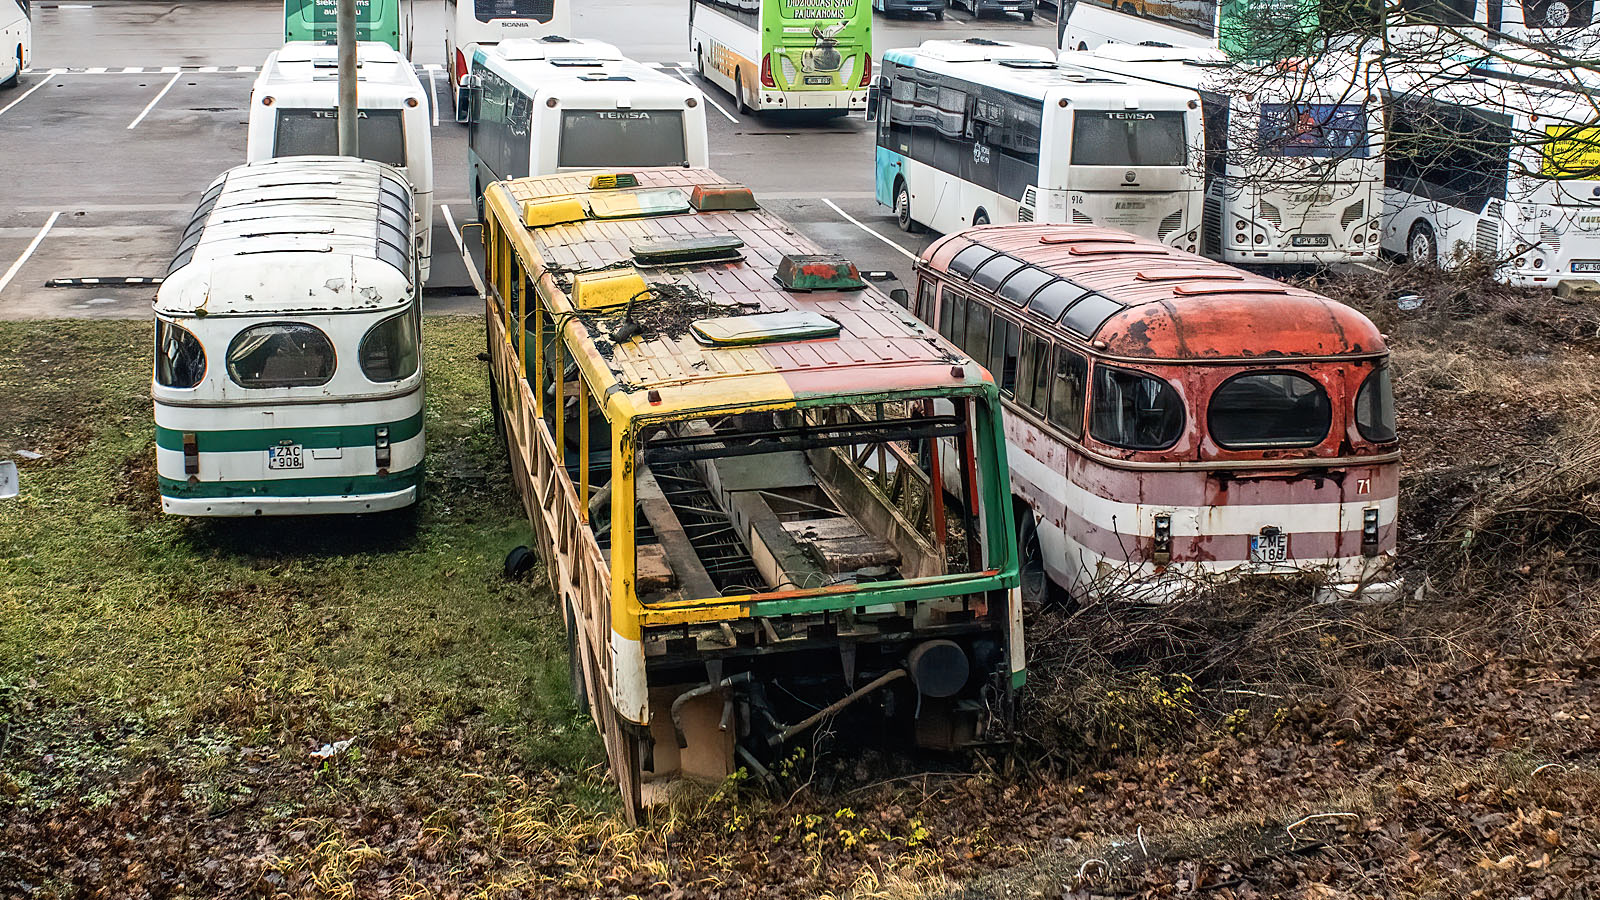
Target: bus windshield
(380,136)
(605,137)
(1314,129)
(489,10)
(1131,138)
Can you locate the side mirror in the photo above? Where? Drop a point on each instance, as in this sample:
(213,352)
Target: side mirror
(874,97)
(10,484)
(901,296)
(469,84)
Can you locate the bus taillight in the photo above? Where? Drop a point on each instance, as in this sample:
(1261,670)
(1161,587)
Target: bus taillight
(866,71)
(461,65)
(766,72)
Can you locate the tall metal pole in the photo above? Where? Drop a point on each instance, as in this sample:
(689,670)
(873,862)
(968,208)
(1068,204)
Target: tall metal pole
(347,78)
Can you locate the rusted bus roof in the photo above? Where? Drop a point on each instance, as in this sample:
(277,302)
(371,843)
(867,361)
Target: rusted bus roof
(880,347)
(1155,302)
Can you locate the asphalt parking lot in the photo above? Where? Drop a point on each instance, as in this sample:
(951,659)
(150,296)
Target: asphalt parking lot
(130,109)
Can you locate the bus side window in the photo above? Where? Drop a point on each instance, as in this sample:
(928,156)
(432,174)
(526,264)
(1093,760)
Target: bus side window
(1033,373)
(924,308)
(977,345)
(1003,337)
(953,317)
(1066,391)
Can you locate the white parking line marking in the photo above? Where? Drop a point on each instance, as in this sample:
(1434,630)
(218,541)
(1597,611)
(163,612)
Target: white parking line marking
(857,223)
(433,94)
(26,93)
(465,256)
(245,69)
(157,99)
(207,69)
(680,76)
(37,240)
(96,70)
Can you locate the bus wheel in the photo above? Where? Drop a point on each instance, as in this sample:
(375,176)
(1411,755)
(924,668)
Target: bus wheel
(738,94)
(519,562)
(980,217)
(575,668)
(1422,248)
(902,209)
(1037,588)
(1027,17)
(939,16)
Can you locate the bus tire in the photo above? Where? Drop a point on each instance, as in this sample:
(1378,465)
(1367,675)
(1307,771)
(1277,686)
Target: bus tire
(575,667)
(1027,17)
(519,562)
(980,217)
(1422,247)
(738,93)
(902,208)
(939,16)
(1033,578)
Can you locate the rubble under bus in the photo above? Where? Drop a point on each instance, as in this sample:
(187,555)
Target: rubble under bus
(723,438)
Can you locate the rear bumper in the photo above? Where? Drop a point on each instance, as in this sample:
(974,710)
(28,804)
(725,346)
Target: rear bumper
(238,507)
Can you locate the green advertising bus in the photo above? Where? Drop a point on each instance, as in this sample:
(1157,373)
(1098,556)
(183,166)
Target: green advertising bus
(1243,29)
(803,55)
(386,21)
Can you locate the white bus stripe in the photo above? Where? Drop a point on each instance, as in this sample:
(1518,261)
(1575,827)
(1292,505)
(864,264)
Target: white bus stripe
(157,99)
(32,246)
(857,223)
(25,94)
(462,247)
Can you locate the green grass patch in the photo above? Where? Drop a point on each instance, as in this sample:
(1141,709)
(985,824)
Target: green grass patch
(125,633)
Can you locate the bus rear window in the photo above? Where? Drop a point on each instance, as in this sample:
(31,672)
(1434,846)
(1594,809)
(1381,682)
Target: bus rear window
(1314,129)
(1118,138)
(538,10)
(280,355)
(380,135)
(1269,409)
(605,138)
(1133,410)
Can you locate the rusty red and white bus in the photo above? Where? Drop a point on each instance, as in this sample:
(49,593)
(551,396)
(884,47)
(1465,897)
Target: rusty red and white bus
(1173,420)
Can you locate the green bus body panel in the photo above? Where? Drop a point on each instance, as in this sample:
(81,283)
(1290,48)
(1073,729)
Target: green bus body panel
(331,486)
(317,20)
(836,26)
(879,595)
(261,438)
(1267,30)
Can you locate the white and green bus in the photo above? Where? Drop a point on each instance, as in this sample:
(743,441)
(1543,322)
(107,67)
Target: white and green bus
(288,366)
(810,56)
(385,21)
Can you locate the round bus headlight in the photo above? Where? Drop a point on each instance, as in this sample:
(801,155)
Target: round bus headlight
(1238,238)
(1239,224)
(1361,238)
(1538,262)
(1261,238)
(1522,262)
